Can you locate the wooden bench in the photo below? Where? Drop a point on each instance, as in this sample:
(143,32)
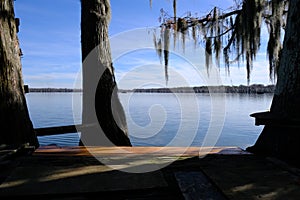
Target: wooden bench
(268,118)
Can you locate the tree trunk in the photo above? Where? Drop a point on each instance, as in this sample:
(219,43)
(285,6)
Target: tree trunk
(282,141)
(101,105)
(16,126)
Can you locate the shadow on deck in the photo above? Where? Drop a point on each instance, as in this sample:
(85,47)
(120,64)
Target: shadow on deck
(181,173)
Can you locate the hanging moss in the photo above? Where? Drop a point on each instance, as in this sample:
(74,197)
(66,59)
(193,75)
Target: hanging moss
(159,49)
(247,31)
(194,35)
(182,27)
(226,60)
(175,35)
(158,46)
(208,49)
(217,39)
(217,50)
(274,44)
(166,51)
(236,33)
(155,43)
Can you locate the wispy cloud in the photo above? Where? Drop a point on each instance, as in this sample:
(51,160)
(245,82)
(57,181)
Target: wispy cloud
(63,80)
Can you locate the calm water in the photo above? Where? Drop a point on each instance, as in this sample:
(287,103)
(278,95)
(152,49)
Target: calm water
(161,119)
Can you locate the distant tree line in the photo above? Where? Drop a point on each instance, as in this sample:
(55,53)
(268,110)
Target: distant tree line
(54,90)
(255,88)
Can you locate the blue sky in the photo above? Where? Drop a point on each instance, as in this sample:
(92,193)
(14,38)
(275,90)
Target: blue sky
(50,40)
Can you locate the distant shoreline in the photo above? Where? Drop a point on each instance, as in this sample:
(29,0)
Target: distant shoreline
(255,88)
(46,90)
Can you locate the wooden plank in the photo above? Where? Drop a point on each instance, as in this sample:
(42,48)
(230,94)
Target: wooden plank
(268,118)
(56,130)
(195,185)
(116,151)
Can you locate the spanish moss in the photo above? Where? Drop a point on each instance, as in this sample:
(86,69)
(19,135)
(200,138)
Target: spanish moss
(166,51)
(232,34)
(158,46)
(208,55)
(182,27)
(275,24)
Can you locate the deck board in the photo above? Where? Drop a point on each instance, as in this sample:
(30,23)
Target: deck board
(113,151)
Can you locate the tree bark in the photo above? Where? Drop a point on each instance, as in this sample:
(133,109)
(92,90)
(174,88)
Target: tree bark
(101,104)
(15,123)
(283,141)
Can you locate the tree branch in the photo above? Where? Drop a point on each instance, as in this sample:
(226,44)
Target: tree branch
(235,12)
(220,35)
(191,21)
(233,35)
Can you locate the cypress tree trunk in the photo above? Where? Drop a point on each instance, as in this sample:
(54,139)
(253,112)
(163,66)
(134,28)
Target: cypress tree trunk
(100,99)
(16,126)
(280,140)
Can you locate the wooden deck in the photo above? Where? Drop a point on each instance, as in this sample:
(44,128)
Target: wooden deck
(127,173)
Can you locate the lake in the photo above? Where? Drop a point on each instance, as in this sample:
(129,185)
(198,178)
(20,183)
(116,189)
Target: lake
(161,119)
